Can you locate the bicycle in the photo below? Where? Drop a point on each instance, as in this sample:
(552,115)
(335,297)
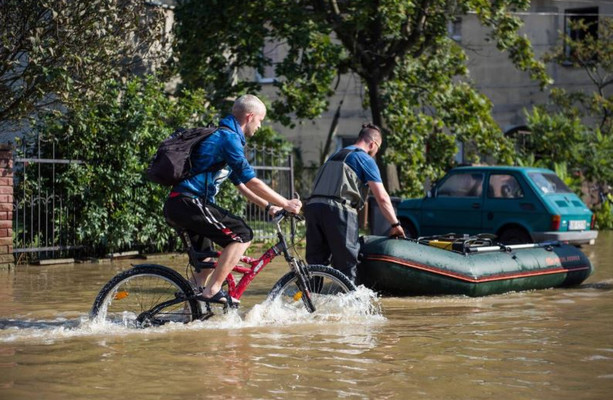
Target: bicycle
(152,295)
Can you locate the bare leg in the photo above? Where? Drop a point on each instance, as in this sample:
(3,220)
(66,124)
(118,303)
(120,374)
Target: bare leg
(198,279)
(227,260)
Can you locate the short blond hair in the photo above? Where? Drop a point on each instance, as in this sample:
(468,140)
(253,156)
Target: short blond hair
(246,104)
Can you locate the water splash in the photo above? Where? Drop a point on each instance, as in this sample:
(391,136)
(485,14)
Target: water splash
(361,306)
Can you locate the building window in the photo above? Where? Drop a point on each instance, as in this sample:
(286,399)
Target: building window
(454,29)
(271,51)
(344,141)
(579,24)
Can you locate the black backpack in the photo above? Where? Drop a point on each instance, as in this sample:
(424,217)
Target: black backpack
(172,162)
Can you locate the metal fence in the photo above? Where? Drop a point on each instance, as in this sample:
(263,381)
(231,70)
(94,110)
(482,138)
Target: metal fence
(278,172)
(44,222)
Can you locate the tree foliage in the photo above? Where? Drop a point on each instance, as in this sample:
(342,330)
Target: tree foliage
(115,137)
(594,55)
(392,45)
(575,128)
(56,52)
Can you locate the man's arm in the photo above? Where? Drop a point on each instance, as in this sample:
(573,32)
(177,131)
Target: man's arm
(255,199)
(386,207)
(264,191)
(235,157)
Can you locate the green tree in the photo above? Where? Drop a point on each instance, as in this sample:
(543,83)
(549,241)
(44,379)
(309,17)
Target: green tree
(391,45)
(576,127)
(56,52)
(594,55)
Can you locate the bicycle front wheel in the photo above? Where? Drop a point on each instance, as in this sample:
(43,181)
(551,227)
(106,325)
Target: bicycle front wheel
(146,295)
(324,285)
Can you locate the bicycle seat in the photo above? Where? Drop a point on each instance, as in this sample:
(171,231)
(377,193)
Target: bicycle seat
(205,254)
(196,259)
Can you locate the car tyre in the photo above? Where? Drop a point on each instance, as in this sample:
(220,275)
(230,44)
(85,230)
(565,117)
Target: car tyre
(514,236)
(409,230)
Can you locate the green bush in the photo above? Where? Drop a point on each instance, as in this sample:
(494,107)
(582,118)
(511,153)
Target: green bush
(604,215)
(115,136)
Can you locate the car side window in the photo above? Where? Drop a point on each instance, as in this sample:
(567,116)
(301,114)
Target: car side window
(462,185)
(504,186)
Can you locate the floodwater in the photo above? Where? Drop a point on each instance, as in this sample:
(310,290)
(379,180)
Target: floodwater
(546,344)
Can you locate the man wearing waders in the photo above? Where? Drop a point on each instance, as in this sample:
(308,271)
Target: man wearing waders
(339,192)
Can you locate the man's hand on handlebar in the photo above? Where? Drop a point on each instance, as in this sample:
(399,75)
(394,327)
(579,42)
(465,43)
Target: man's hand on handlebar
(272,210)
(279,215)
(293,206)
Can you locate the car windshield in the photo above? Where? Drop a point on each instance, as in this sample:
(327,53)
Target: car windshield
(548,183)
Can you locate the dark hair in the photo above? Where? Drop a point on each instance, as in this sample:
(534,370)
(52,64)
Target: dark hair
(368,129)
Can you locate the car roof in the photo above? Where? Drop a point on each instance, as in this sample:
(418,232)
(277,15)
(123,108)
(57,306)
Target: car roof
(501,168)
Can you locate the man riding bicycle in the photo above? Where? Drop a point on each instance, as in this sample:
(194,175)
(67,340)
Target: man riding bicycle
(190,204)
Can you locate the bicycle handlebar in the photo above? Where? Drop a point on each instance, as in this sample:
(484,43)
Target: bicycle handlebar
(280,215)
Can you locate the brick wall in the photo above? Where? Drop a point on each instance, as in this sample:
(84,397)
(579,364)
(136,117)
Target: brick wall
(6,206)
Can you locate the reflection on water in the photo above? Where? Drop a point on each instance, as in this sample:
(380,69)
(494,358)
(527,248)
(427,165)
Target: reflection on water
(546,344)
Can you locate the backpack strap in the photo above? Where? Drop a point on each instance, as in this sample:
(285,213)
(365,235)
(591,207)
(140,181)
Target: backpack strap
(342,154)
(213,168)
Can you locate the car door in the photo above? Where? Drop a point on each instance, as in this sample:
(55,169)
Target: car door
(455,206)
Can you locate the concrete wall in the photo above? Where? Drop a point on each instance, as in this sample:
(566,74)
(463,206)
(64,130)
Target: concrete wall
(6,206)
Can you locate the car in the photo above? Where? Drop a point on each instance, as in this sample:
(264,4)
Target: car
(517,204)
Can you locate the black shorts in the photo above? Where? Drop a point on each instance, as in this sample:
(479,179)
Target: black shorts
(206,221)
(201,243)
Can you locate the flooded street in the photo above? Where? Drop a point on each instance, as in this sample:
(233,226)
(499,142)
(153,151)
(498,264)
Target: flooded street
(546,344)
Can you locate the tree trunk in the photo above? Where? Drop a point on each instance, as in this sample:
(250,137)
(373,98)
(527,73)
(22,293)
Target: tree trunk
(331,133)
(389,173)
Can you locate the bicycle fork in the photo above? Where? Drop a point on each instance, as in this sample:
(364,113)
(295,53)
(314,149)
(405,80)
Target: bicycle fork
(304,277)
(303,274)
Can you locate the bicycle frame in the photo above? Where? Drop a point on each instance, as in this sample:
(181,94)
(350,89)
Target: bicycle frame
(256,265)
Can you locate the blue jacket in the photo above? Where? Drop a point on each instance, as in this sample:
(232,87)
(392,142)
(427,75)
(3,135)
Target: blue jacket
(225,145)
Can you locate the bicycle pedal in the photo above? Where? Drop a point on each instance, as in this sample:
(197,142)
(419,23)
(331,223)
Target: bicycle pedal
(206,316)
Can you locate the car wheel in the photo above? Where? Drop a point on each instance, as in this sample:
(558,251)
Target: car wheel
(409,230)
(514,236)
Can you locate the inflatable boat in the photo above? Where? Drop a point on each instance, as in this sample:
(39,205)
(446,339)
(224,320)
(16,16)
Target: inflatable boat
(471,266)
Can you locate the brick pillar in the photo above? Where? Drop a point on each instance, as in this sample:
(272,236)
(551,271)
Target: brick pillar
(6,206)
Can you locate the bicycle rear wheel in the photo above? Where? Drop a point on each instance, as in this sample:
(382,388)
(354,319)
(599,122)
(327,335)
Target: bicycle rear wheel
(146,295)
(324,285)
